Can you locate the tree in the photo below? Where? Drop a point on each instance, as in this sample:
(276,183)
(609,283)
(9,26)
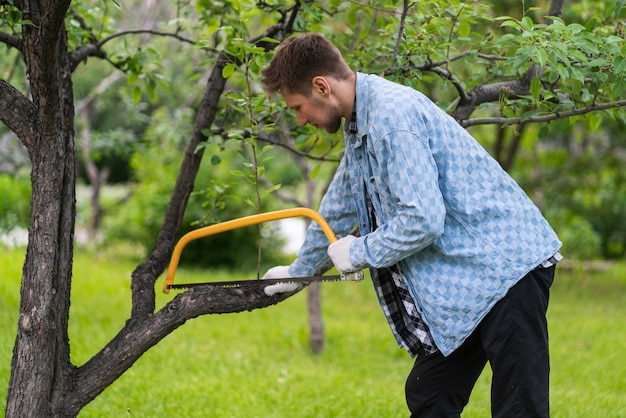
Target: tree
(534,73)
(44,125)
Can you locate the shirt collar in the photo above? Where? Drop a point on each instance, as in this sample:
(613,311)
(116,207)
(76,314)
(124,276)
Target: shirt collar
(360,98)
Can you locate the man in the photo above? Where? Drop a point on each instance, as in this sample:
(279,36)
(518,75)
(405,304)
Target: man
(461,259)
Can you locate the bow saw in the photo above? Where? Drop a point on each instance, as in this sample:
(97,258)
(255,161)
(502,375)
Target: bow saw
(247,221)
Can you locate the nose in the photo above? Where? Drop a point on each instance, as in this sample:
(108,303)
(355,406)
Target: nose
(301,119)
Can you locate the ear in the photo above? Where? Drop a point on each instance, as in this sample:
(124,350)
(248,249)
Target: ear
(320,85)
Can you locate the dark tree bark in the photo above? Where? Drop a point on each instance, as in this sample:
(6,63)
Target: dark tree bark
(41,371)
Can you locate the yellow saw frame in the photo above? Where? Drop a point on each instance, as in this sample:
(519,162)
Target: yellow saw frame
(247,221)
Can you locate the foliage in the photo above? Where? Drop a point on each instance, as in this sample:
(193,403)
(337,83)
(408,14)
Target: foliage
(437,47)
(261,358)
(14,202)
(154,164)
(577,177)
(580,63)
(450,50)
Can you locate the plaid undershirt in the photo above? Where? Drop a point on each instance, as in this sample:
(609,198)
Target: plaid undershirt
(401,313)
(398,305)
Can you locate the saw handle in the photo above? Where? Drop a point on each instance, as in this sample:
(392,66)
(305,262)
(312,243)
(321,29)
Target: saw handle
(240,223)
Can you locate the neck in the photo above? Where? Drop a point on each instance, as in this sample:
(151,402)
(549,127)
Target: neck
(346,93)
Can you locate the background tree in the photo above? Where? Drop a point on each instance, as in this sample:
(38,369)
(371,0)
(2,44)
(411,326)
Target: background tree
(511,71)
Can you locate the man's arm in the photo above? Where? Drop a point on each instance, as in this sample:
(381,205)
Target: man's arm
(408,179)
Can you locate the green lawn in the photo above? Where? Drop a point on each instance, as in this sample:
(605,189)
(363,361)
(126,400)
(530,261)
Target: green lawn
(257,364)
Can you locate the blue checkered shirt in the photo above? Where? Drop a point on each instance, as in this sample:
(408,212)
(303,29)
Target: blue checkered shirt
(457,229)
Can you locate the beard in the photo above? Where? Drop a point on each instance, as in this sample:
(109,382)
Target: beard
(332,117)
(334,123)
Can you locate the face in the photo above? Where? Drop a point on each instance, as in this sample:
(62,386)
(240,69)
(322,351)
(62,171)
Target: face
(317,110)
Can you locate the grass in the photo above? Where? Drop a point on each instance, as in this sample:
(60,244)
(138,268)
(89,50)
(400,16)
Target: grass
(258,364)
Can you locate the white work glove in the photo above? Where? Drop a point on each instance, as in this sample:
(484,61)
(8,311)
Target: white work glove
(339,252)
(279,272)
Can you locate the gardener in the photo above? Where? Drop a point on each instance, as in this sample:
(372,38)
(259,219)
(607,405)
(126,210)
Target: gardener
(461,259)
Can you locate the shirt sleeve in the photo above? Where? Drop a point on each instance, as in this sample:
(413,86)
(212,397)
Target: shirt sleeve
(406,181)
(339,210)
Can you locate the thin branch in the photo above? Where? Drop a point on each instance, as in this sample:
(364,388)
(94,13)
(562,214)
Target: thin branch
(268,139)
(430,65)
(542,118)
(148,32)
(95,49)
(447,75)
(396,49)
(436,67)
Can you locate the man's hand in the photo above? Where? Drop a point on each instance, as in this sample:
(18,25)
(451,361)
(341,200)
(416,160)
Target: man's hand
(339,252)
(279,272)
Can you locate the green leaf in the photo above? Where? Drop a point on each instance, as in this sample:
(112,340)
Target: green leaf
(527,115)
(228,70)
(266,148)
(535,87)
(527,23)
(136,93)
(272,189)
(216,159)
(591,25)
(464,29)
(542,57)
(618,7)
(594,121)
(271,40)
(619,65)
(315,171)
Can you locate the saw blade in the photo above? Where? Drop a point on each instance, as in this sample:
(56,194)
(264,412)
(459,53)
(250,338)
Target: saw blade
(234,284)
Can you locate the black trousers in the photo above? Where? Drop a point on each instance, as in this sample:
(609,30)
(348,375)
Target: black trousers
(513,338)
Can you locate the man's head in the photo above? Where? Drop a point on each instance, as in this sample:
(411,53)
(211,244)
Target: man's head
(314,80)
(298,60)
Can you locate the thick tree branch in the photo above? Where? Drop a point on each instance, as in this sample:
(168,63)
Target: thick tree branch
(11,40)
(556,8)
(486,93)
(140,334)
(17,112)
(145,275)
(53,18)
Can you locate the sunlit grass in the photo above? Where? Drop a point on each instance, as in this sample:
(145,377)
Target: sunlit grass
(258,364)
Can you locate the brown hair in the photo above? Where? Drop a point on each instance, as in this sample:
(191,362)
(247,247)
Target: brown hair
(301,58)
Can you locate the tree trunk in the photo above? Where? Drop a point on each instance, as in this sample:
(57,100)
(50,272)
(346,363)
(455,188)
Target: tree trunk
(41,372)
(316,323)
